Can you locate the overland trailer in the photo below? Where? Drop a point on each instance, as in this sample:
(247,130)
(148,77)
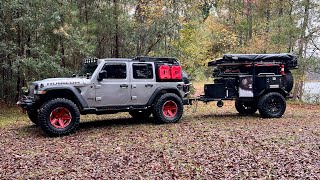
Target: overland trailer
(255,81)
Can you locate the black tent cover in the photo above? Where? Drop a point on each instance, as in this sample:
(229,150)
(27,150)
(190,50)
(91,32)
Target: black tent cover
(284,57)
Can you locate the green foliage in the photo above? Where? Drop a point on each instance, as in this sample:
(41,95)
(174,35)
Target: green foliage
(40,39)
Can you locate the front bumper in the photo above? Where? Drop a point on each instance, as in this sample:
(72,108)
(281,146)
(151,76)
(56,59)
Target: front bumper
(26,102)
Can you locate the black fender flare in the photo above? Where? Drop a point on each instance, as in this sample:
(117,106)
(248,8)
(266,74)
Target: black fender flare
(71,89)
(279,90)
(162,90)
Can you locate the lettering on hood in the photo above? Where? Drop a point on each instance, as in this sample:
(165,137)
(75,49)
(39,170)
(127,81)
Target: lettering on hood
(58,83)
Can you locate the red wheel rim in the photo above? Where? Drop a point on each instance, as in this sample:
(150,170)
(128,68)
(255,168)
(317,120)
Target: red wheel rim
(170,109)
(60,117)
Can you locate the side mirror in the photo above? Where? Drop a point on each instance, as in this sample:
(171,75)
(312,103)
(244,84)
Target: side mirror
(102,75)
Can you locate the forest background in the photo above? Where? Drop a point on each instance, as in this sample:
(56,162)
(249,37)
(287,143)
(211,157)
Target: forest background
(41,39)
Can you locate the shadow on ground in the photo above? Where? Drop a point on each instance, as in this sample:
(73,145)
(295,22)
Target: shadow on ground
(113,122)
(86,126)
(33,130)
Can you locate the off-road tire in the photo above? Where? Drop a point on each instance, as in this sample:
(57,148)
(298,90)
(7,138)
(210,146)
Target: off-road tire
(289,81)
(50,106)
(159,104)
(246,107)
(272,105)
(140,114)
(33,116)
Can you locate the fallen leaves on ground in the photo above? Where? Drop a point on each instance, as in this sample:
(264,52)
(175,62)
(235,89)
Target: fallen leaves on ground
(209,143)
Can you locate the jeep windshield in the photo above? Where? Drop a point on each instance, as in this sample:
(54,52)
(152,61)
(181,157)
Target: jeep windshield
(87,69)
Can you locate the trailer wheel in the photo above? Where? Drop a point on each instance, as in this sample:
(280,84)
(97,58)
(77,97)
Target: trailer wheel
(168,108)
(289,81)
(272,105)
(246,107)
(140,114)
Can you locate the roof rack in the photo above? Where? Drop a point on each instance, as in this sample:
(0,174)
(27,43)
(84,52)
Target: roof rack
(155,59)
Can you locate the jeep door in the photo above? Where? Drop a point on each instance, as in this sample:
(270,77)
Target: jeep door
(143,82)
(114,88)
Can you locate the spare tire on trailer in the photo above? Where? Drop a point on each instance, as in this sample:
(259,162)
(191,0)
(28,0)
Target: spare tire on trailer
(289,82)
(246,107)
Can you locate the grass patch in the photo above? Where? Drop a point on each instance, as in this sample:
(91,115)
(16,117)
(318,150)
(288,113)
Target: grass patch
(10,116)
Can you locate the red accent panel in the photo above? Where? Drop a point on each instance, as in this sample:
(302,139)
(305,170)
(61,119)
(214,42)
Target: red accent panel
(176,72)
(164,72)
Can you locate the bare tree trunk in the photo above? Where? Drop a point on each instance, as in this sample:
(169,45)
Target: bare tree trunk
(249,19)
(140,19)
(301,83)
(268,16)
(63,59)
(21,52)
(86,11)
(304,28)
(301,45)
(116,35)
(290,46)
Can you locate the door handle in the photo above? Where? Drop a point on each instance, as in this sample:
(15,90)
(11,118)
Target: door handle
(149,85)
(124,86)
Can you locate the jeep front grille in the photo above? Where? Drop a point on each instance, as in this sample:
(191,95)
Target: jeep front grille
(32,88)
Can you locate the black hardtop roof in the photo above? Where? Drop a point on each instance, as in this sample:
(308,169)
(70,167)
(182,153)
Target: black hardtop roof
(93,60)
(153,59)
(144,59)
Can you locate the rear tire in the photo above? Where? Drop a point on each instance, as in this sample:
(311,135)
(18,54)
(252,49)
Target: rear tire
(168,108)
(33,116)
(59,117)
(272,105)
(246,107)
(140,114)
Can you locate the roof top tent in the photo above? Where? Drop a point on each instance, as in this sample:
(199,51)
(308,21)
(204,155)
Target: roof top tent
(233,65)
(289,60)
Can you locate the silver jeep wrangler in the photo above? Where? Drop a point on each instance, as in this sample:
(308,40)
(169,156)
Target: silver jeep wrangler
(140,86)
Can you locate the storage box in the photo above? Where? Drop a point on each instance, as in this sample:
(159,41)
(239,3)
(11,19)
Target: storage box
(216,91)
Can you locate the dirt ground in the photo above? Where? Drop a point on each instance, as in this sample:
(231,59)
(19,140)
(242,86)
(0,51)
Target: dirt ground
(208,143)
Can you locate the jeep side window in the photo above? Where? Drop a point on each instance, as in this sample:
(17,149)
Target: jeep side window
(116,71)
(142,71)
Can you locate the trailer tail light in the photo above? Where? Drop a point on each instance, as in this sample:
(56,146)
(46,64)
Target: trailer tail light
(176,73)
(282,70)
(164,72)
